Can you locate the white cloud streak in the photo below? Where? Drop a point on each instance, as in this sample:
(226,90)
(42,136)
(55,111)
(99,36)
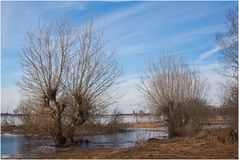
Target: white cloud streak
(206,55)
(111,18)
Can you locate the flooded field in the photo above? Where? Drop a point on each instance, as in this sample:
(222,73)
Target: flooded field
(18,146)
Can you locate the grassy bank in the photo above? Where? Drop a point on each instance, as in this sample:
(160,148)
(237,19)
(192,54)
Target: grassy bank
(84,130)
(207,144)
(144,125)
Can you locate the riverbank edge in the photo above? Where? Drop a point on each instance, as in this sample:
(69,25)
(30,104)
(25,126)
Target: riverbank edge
(210,143)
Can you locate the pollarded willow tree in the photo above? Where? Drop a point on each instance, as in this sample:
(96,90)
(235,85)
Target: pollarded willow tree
(91,77)
(68,73)
(170,88)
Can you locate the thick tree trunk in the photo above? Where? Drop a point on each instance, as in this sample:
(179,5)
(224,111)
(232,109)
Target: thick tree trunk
(78,120)
(171,125)
(59,139)
(71,132)
(70,135)
(171,129)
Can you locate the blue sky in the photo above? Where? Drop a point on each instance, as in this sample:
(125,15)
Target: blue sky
(138,31)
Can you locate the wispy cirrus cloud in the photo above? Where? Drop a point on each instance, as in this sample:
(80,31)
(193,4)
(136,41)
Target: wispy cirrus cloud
(207,54)
(131,33)
(142,45)
(122,13)
(226,43)
(76,5)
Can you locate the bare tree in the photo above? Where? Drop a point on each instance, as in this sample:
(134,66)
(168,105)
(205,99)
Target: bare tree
(169,87)
(44,61)
(92,74)
(68,75)
(228,43)
(116,120)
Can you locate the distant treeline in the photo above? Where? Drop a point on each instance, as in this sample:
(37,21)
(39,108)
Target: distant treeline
(131,114)
(11,114)
(221,111)
(122,114)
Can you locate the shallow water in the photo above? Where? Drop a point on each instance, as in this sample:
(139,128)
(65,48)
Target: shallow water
(217,126)
(124,139)
(16,145)
(19,146)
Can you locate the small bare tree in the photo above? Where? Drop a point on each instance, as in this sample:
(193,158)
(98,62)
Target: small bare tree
(68,75)
(228,42)
(169,87)
(116,120)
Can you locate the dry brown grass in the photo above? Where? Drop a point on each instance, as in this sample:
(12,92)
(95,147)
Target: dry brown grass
(223,120)
(145,125)
(205,145)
